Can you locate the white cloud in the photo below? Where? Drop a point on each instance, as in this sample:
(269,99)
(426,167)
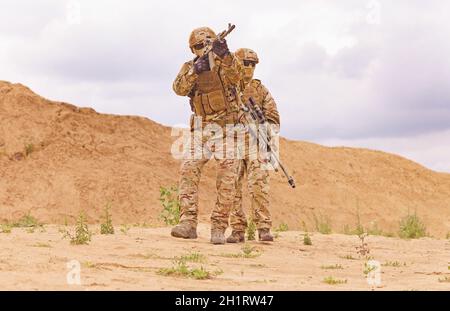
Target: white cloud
(351,71)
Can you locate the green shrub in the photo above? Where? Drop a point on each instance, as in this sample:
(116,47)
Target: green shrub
(282,228)
(26,221)
(307,239)
(332,281)
(29,148)
(251,230)
(168,197)
(323,224)
(107,227)
(193,257)
(82,234)
(182,270)
(247,251)
(332,267)
(5,228)
(411,227)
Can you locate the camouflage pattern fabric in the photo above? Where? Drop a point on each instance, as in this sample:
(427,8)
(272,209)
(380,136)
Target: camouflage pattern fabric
(191,171)
(213,97)
(258,178)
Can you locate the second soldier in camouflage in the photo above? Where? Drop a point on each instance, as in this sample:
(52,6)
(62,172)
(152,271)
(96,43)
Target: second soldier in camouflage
(258,177)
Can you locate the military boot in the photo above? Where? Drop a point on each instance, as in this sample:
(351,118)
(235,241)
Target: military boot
(236,237)
(264,235)
(217,236)
(185,231)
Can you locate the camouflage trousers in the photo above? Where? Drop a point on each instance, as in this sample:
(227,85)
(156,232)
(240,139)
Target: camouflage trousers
(191,170)
(258,185)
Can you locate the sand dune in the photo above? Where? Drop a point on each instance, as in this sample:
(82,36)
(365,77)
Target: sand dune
(80,160)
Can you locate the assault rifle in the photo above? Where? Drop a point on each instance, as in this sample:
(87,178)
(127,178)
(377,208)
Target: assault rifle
(209,44)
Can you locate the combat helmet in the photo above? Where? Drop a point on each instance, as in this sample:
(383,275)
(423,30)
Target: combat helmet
(247,54)
(200,35)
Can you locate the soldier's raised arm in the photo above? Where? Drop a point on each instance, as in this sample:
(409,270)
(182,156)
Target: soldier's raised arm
(185,80)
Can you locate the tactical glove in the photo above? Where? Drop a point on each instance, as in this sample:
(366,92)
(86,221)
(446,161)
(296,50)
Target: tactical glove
(202,64)
(220,48)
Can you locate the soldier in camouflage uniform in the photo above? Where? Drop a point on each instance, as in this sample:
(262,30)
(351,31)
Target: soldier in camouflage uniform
(213,97)
(258,177)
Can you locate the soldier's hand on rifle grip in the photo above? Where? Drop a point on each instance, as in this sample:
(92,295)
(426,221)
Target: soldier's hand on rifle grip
(202,64)
(220,48)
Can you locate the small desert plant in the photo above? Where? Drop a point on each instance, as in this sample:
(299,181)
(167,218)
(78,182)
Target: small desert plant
(5,228)
(368,268)
(448,236)
(251,230)
(168,197)
(307,239)
(200,273)
(348,257)
(82,234)
(26,221)
(40,244)
(332,281)
(445,279)
(29,148)
(363,248)
(182,270)
(332,267)
(359,230)
(323,224)
(89,264)
(411,227)
(193,257)
(125,228)
(107,227)
(394,264)
(282,228)
(247,251)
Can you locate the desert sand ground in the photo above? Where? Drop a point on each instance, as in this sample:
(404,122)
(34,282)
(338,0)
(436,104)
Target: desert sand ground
(130,260)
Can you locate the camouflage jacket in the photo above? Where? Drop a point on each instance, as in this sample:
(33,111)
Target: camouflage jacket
(263,99)
(229,73)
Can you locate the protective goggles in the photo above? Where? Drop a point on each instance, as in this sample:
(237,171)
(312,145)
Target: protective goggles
(199,46)
(249,63)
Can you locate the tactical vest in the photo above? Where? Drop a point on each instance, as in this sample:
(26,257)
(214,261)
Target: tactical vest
(210,95)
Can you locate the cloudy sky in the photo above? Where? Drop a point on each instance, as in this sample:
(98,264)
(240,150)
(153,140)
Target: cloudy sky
(365,73)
